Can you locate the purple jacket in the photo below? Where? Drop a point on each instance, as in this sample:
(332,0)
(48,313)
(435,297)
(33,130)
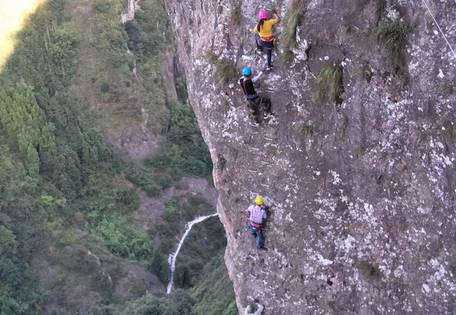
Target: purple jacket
(257,214)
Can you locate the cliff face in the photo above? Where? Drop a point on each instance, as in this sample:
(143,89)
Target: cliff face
(362,183)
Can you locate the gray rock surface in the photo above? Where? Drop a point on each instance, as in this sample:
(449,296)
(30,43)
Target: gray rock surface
(362,192)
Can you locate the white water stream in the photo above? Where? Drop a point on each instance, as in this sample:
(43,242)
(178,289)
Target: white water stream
(172,257)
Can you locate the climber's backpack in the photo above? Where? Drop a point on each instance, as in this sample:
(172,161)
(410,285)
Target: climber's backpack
(249,97)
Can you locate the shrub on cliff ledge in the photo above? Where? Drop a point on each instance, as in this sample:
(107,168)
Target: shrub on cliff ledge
(330,84)
(292,20)
(393,36)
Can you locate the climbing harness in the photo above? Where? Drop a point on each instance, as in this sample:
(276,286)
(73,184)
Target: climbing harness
(256,226)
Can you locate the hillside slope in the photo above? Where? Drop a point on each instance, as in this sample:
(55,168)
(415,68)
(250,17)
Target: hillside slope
(357,162)
(101,168)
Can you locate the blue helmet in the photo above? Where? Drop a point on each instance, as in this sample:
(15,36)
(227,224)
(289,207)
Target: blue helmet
(247,71)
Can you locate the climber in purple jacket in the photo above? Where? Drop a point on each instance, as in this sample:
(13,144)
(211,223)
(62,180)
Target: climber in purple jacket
(257,219)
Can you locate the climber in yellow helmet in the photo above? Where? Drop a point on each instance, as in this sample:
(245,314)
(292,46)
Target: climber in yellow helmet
(257,218)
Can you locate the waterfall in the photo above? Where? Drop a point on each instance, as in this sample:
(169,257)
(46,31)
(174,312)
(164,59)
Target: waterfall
(172,257)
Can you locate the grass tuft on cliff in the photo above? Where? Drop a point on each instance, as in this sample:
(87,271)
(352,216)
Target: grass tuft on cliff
(292,20)
(393,35)
(330,85)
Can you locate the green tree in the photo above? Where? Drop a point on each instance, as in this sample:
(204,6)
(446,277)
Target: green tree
(93,148)
(159,266)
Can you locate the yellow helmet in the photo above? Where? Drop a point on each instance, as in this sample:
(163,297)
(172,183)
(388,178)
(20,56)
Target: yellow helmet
(259,200)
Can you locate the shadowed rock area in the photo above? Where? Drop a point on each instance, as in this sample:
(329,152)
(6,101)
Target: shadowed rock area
(361,180)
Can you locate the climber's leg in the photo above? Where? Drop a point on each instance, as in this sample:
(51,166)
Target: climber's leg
(266,103)
(254,106)
(259,239)
(258,42)
(251,230)
(269,51)
(269,46)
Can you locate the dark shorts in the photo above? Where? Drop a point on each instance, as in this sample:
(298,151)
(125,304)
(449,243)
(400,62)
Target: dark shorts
(267,44)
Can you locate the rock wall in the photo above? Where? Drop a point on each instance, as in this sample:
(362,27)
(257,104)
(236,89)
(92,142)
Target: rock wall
(129,14)
(362,187)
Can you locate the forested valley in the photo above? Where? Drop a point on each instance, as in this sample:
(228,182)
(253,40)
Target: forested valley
(101,168)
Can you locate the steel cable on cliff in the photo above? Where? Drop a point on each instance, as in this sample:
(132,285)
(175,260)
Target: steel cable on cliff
(440,29)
